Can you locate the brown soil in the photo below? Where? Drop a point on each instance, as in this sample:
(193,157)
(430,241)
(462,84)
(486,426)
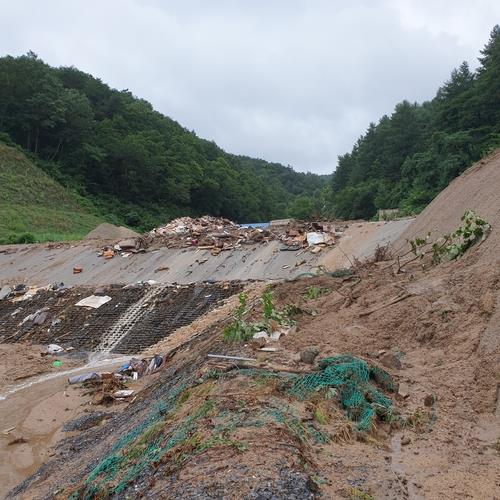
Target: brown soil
(20,362)
(107,231)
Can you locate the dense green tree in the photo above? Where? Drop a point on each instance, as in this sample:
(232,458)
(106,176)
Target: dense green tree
(138,166)
(407,158)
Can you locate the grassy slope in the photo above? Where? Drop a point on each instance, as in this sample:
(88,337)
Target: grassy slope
(32,202)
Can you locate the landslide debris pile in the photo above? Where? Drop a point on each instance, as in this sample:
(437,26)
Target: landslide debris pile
(218,234)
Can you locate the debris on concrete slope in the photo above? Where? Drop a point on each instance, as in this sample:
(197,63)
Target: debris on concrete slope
(218,234)
(94,301)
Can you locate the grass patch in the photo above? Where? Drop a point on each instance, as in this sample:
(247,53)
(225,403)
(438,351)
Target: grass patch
(313,292)
(36,208)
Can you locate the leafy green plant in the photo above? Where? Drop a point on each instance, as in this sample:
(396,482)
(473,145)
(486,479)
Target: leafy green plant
(313,292)
(267,303)
(452,246)
(239,330)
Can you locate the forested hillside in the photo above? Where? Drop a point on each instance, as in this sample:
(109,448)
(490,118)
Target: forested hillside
(136,165)
(407,158)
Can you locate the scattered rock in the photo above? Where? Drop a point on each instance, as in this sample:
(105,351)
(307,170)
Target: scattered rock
(86,421)
(405,440)
(100,291)
(429,400)
(258,343)
(390,360)
(403,391)
(308,355)
(127,244)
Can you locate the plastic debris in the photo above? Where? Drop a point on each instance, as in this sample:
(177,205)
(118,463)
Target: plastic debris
(123,393)
(56,363)
(53,348)
(315,238)
(5,291)
(94,301)
(84,377)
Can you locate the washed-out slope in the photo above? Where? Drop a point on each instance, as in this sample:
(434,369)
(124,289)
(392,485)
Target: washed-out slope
(478,188)
(32,202)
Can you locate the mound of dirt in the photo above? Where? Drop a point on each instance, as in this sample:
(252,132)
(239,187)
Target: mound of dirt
(478,189)
(107,231)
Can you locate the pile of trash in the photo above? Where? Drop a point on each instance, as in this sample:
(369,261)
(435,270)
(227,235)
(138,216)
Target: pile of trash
(219,234)
(107,387)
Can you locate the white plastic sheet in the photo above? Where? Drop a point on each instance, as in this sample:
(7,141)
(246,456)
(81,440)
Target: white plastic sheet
(94,301)
(315,238)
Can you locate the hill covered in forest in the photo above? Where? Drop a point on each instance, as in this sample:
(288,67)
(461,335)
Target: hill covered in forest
(407,158)
(137,166)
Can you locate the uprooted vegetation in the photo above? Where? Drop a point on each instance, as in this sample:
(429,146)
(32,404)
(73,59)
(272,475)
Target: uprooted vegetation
(448,247)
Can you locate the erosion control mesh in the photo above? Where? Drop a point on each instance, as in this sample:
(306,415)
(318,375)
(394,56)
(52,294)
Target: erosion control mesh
(176,427)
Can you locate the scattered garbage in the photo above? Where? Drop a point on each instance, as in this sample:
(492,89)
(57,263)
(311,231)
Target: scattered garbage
(94,301)
(137,368)
(229,358)
(84,377)
(77,270)
(123,393)
(56,363)
(108,254)
(53,348)
(218,234)
(19,290)
(37,318)
(5,291)
(315,238)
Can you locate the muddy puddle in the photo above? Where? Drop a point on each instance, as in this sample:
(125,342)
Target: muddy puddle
(31,416)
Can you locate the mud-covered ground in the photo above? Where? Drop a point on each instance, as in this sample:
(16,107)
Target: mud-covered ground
(207,429)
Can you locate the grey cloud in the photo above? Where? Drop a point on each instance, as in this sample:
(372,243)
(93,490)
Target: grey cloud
(290,81)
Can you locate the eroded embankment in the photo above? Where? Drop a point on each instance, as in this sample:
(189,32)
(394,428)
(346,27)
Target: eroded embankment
(206,429)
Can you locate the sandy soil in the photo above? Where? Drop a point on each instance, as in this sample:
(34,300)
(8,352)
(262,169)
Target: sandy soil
(360,241)
(20,362)
(35,415)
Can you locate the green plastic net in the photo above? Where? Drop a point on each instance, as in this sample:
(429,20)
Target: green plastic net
(350,379)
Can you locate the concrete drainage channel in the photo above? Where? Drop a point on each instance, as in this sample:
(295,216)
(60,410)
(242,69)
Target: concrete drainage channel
(136,317)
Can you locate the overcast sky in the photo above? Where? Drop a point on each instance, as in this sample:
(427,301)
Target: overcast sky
(292,81)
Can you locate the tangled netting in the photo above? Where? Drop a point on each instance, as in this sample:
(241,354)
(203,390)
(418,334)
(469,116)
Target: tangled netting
(352,378)
(349,379)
